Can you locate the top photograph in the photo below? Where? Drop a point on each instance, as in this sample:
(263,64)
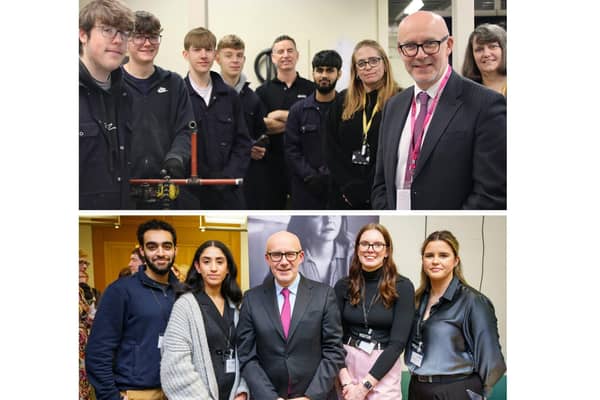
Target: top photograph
(273,105)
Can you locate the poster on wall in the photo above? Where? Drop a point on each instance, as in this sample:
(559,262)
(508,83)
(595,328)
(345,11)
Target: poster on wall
(327,241)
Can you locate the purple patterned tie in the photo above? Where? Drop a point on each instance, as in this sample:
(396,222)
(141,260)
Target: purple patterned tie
(286,311)
(417,138)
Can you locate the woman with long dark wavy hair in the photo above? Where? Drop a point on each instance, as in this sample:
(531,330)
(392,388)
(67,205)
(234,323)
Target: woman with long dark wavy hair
(377,307)
(199,356)
(454,351)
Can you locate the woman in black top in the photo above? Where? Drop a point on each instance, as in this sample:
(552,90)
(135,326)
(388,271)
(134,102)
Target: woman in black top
(353,126)
(454,351)
(376,304)
(199,357)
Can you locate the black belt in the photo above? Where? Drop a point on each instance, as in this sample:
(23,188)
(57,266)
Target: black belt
(440,378)
(356,342)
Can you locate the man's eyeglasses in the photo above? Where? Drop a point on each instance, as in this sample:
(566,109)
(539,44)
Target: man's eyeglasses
(84,262)
(372,61)
(277,256)
(140,39)
(430,47)
(377,246)
(110,32)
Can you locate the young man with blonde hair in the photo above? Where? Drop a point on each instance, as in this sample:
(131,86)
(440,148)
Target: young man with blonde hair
(223,140)
(231,59)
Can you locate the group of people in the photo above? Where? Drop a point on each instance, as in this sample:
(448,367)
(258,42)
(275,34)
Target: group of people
(155,338)
(297,143)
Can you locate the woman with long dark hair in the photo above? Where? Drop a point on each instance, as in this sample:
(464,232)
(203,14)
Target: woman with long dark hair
(377,307)
(485,57)
(199,356)
(454,351)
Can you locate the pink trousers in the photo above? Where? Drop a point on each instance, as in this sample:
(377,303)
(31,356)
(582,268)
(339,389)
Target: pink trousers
(359,364)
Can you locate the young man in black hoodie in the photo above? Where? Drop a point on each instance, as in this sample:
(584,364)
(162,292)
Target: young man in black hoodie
(162,115)
(104,29)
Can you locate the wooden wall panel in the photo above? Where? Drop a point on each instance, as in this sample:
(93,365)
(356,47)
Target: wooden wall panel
(113,246)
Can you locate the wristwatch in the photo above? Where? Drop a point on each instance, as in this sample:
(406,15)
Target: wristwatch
(368,385)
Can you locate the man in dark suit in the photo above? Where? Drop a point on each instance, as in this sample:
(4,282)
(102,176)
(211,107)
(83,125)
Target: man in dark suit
(452,155)
(289,332)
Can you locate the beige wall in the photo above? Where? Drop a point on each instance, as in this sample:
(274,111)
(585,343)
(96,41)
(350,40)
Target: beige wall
(408,233)
(314,24)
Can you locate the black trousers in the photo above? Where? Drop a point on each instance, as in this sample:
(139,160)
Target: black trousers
(446,391)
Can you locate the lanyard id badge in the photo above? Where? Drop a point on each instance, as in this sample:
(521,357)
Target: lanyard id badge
(366,346)
(416,355)
(229,359)
(362,156)
(402,199)
(366,342)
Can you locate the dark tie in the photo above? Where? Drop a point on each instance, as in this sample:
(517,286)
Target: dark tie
(416,139)
(286,311)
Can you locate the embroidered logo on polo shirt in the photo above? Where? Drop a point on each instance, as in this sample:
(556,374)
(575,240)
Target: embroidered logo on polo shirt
(162,90)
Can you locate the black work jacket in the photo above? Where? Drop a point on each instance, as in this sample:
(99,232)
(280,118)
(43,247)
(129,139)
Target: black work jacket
(160,123)
(103,143)
(223,140)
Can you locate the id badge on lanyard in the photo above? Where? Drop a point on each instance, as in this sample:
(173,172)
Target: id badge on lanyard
(229,359)
(367,347)
(402,199)
(416,355)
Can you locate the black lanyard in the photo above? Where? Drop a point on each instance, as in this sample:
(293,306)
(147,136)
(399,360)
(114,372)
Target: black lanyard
(373,300)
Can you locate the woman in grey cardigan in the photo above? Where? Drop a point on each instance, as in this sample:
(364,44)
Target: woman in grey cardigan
(199,357)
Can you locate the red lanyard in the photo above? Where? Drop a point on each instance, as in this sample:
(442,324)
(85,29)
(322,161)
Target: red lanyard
(415,143)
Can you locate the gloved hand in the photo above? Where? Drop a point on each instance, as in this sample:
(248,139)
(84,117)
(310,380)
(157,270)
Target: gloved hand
(174,168)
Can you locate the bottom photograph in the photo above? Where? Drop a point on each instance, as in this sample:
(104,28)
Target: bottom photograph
(239,307)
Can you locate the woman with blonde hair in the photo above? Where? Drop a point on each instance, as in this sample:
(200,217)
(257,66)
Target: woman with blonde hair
(353,126)
(454,351)
(377,307)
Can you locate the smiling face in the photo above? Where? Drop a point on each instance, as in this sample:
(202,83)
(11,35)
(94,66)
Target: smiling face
(419,28)
(284,55)
(145,52)
(159,251)
(101,55)
(212,266)
(284,271)
(488,56)
(371,259)
(439,261)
